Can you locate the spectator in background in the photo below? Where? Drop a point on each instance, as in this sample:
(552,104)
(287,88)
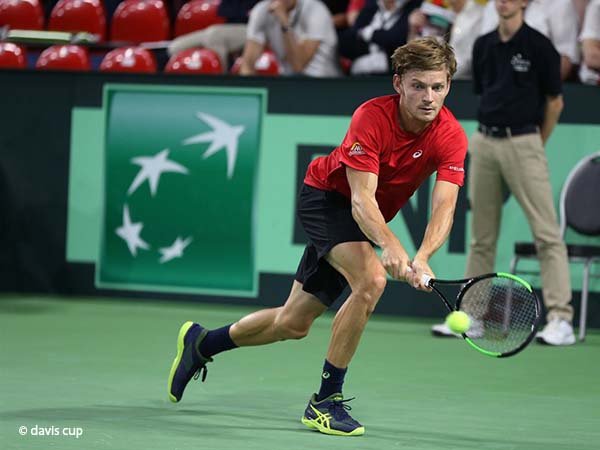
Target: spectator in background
(463,25)
(433,18)
(300,33)
(555,19)
(338,9)
(580,6)
(516,71)
(380,28)
(225,39)
(344,12)
(589,72)
(354,9)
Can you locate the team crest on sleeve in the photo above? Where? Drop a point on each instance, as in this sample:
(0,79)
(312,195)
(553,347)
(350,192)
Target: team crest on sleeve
(356,149)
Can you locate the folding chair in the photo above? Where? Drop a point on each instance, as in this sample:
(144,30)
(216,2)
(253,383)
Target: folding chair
(579,211)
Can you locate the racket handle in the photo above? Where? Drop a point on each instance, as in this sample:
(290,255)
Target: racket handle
(425,279)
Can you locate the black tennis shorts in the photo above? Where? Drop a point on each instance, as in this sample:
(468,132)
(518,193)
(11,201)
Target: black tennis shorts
(326,216)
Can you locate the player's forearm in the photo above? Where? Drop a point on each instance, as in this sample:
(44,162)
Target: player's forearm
(367,215)
(552,112)
(438,229)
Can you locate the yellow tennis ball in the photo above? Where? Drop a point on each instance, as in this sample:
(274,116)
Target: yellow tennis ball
(458,321)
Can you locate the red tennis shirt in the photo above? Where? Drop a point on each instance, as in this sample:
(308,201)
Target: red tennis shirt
(375,143)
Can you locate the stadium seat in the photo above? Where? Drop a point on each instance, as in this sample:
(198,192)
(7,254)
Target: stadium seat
(197,15)
(140,21)
(21,14)
(195,61)
(64,57)
(129,59)
(12,56)
(266,64)
(79,15)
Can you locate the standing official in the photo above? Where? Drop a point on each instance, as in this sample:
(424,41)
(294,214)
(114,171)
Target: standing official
(516,71)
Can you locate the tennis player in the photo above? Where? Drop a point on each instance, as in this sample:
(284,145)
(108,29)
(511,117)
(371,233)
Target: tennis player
(393,144)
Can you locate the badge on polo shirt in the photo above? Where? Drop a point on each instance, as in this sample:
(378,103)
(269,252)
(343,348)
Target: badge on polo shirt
(519,63)
(356,149)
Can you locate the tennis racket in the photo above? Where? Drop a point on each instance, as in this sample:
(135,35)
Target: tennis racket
(503,309)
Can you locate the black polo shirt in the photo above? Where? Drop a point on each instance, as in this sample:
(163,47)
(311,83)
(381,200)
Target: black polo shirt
(514,77)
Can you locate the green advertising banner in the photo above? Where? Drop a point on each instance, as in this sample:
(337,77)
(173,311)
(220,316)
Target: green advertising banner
(179,189)
(287,144)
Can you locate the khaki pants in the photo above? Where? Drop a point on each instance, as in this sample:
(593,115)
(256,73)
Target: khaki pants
(222,38)
(519,162)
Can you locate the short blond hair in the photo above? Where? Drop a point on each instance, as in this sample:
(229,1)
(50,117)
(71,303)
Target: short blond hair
(426,53)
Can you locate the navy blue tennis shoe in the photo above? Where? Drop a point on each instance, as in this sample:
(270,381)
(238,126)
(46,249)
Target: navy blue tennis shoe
(330,416)
(189,362)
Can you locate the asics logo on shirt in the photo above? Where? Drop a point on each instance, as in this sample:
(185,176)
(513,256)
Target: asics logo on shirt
(456,168)
(356,149)
(417,154)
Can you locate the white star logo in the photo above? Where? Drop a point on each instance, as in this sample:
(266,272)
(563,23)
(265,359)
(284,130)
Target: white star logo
(175,250)
(223,135)
(151,169)
(130,233)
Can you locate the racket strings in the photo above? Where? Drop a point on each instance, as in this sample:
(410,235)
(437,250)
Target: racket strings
(503,313)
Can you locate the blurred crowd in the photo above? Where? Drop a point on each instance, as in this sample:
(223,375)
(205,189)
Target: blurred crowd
(320,38)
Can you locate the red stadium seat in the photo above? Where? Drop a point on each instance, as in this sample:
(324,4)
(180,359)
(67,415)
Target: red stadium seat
(129,59)
(140,21)
(21,14)
(12,56)
(195,60)
(266,64)
(64,57)
(197,15)
(79,15)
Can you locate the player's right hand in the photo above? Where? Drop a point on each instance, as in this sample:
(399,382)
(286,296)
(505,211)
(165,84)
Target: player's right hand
(418,269)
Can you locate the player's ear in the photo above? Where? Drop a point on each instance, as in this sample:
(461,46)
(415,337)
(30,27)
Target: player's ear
(397,83)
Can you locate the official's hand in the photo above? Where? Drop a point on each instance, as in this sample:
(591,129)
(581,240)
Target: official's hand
(279,9)
(418,269)
(395,261)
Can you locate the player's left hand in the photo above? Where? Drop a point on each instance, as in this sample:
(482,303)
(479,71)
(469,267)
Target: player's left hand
(419,268)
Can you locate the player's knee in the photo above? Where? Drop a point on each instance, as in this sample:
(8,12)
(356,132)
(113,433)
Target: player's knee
(379,281)
(376,282)
(370,289)
(287,327)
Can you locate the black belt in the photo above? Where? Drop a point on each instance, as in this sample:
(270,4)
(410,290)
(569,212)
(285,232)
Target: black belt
(504,132)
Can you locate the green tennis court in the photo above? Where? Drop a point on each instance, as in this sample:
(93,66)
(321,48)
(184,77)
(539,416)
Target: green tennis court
(101,366)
